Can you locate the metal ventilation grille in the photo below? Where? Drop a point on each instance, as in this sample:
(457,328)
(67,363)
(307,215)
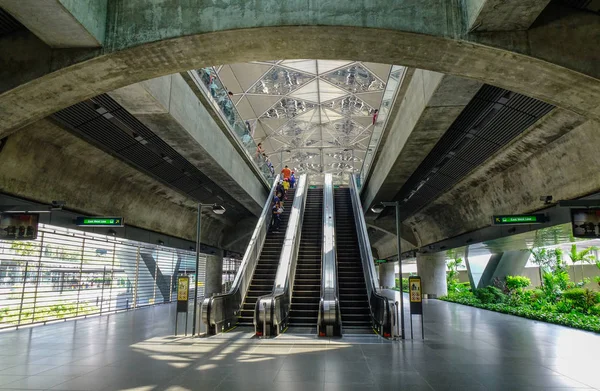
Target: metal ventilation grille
(491,120)
(8,24)
(103,122)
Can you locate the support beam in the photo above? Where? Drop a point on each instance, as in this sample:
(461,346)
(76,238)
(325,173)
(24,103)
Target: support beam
(430,104)
(503,15)
(169,107)
(483,273)
(62,23)
(544,160)
(43,162)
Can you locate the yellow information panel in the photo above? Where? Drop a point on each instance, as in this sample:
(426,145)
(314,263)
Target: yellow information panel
(414,285)
(183,288)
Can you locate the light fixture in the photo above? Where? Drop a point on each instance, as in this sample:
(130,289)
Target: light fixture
(377,208)
(160,242)
(218,209)
(112,232)
(547,199)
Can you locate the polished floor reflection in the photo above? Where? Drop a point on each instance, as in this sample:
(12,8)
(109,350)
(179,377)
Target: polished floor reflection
(465,349)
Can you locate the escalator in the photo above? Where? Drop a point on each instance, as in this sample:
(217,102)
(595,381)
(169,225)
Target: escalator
(264,274)
(307,281)
(353,296)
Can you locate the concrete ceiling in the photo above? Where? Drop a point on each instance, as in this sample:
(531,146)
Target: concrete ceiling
(106,124)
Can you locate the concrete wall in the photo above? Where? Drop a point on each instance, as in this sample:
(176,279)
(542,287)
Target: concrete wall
(502,15)
(62,23)
(43,162)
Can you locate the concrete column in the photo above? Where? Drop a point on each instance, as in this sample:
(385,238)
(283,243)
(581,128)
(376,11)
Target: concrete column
(499,265)
(214,274)
(387,275)
(432,270)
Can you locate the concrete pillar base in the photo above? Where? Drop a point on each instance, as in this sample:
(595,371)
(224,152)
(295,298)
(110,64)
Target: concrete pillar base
(387,275)
(432,270)
(214,274)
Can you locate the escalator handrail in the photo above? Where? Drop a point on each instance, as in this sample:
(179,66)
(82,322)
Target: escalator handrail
(372,281)
(242,280)
(329,309)
(279,301)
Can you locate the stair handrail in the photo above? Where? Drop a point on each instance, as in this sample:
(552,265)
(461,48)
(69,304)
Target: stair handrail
(329,322)
(279,301)
(379,305)
(220,312)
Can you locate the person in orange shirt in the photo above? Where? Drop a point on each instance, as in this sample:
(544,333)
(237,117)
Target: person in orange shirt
(287,173)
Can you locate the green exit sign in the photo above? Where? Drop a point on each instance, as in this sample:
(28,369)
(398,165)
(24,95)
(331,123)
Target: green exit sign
(519,219)
(100,221)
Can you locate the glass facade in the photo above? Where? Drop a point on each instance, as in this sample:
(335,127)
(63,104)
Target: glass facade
(68,273)
(218,95)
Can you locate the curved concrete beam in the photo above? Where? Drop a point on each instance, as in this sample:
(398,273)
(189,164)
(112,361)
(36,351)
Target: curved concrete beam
(147,40)
(44,162)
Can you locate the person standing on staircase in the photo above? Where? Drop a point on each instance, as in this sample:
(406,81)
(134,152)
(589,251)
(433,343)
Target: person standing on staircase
(287,173)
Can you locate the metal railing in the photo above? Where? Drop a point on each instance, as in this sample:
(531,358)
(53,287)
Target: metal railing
(220,312)
(271,313)
(380,306)
(329,321)
(216,93)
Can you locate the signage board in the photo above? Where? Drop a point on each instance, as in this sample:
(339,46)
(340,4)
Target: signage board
(380,261)
(183,293)
(19,226)
(585,222)
(100,221)
(537,218)
(416,295)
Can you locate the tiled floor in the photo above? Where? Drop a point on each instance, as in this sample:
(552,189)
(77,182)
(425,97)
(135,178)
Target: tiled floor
(464,349)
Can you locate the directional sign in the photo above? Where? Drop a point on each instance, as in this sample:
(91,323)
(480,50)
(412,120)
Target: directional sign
(100,222)
(519,219)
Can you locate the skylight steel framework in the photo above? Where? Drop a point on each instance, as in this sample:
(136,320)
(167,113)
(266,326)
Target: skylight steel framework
(316,116)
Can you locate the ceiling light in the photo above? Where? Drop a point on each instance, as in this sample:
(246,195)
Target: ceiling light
(218,209)
(377,208)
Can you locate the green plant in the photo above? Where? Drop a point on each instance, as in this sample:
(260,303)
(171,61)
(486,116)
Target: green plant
(452,276)
(582,257)
(547,314)
(514,283)
(490,295)
(404,284)
(581,299)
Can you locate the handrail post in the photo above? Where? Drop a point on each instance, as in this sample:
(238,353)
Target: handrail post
(264,320)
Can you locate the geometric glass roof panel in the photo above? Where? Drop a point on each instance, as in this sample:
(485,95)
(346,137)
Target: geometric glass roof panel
(280,81)
(355,78)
